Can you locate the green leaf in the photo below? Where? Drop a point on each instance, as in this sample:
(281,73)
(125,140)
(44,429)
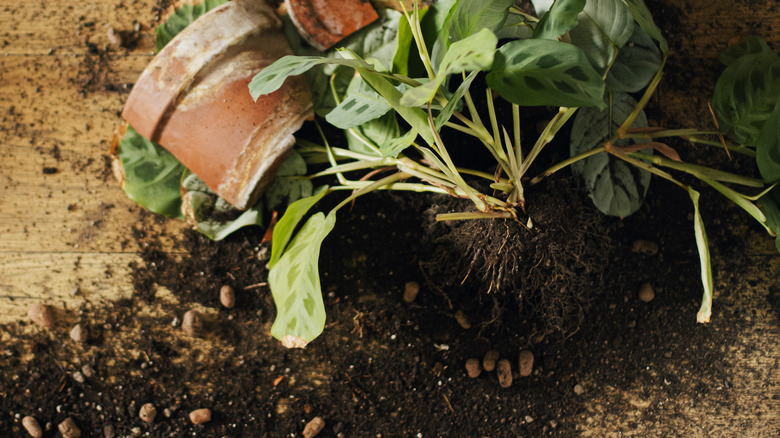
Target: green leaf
(545,72)
(751,44)
(515,28)
(361,104)
(403,47)
(283,230)
(377,132)
(475,52)
(396,145)
(616,187)
(561,18)
(643,16)
(273,76)
(152,174)
(181,18)
(745,96)
(604,26)
(290,183)
(702,244)
(471,16)
(768,147)
(440,29)
(376,42)
(415,117)
(213,216)
(295,285)
(770,206)
(635,65)
(452,103)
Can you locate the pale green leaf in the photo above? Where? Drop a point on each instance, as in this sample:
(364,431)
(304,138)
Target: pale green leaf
(283,230)
(290,183)
(643,16)
(471,16)
(515,27)
(360,105)
(452,103)
(617,188)
(377,132)
(704,260)
(541,72)
(295,284)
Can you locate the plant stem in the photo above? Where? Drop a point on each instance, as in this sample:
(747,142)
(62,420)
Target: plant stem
(623,130)
(567,162)
(701,172)
(668,133)
(546,136)
(370,187)
(474,215)
(740,149)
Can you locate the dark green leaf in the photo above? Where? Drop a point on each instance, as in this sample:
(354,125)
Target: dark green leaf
(643,16)
(515,28)
(751,44)
(770,206)
(152,174)
(768,147)
(745,95)
(471,16)
(182,18)
(636,64)
(213,216)
(545,72)
(561,18)
(616,187)
(295,285)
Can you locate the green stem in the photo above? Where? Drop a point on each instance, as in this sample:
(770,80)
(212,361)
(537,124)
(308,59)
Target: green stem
(388,180)
(409,187)
(564,114)
(668,133)
(701,172)
(565,163)
(623,130)
(473,215)
(740,149)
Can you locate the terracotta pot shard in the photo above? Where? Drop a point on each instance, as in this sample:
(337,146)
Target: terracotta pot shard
(193,99)
(323,23)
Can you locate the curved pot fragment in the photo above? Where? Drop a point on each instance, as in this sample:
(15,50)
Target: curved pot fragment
(323,23)
(193,99)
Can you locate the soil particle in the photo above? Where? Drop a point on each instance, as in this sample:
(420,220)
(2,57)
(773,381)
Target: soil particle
(473,368)
(313,427)
(32,427)
(227,296)
(411,289)
(646,293)
(192,323)
(504,370)
(68,429)
(41,314)
(489,361)
(147,413)
(200,416)
(78,333)
(645,246)
(526,363)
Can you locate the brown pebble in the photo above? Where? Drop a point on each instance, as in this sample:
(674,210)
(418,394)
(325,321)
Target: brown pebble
(41,314)
(504,370)
(227,296)
(32,427)
(78,333)
(313,427)
(200,416)
(411,289)
(526,363)
(147,413)
(68,429)
(489,361)
(645,247)
(646,293)
(473,368)
(191,323)
(462,319)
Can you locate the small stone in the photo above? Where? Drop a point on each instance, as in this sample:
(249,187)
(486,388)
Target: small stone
(227,296)
(114,38)
(578,389)
(462,319)
(191,323)
(68,429)
(77,376)
(41,314)
(313,427)
(526,363)
(504,370)
(88,371)
(529,419)
(473,368)
(147,413)
(78,333)
(136,431)
(32,427)
(645,247)
(108,431)
(200,416)
(167,413)
(411,289)
(646,293)
(489,361)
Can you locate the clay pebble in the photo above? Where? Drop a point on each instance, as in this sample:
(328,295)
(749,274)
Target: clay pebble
(489,361)
(473,368)
(200,416)
(41,314)
(227,296)
(147,413)
(411,289)
(32,427)
(526,363)
(504,370)
(78,333)
(313,427)
(192,323)
(68,429)
(646,293)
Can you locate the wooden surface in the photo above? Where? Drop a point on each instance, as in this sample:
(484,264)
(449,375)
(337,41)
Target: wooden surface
(66,237)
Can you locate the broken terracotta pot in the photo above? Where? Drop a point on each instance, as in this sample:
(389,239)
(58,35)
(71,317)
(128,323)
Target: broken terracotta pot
(193,99)
(323,23)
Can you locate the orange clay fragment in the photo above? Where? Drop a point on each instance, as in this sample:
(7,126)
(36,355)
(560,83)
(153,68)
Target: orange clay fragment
(323,23)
